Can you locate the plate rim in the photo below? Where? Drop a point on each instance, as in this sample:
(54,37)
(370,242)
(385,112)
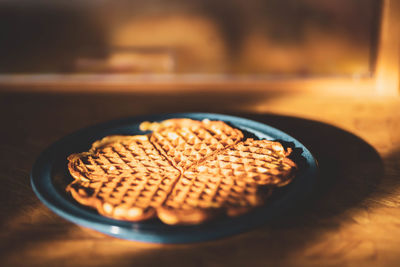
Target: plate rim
(73,212)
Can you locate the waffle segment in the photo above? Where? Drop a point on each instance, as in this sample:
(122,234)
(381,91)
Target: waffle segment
(123,177)
(233,182)
(186,142)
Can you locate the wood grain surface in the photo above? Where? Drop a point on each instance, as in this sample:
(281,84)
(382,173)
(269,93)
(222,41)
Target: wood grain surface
(352,218)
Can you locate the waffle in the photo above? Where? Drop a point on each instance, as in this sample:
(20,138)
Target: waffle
(186,142)
(123,177)
(184,172)
(233,182)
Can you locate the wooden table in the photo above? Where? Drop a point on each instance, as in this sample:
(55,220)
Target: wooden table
(352,218)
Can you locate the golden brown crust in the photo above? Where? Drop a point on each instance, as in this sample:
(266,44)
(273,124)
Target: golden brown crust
(193,216)
(130,213)
(185,172)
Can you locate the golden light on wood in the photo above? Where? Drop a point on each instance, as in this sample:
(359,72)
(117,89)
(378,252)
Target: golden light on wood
(388,62)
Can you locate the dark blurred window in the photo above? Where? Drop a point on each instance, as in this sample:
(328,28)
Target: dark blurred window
(230,37)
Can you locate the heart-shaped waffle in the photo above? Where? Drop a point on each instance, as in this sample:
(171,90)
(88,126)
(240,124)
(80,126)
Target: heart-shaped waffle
(185,172)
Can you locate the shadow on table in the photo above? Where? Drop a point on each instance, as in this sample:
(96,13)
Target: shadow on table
(350,168)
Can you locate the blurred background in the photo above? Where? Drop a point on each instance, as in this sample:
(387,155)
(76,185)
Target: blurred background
(258,38)
(349,44)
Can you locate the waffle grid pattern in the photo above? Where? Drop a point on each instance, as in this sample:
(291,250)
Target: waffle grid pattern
(232,177)
(122,174)
(186,145)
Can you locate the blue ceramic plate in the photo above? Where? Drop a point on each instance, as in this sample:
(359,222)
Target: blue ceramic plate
(50,176)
